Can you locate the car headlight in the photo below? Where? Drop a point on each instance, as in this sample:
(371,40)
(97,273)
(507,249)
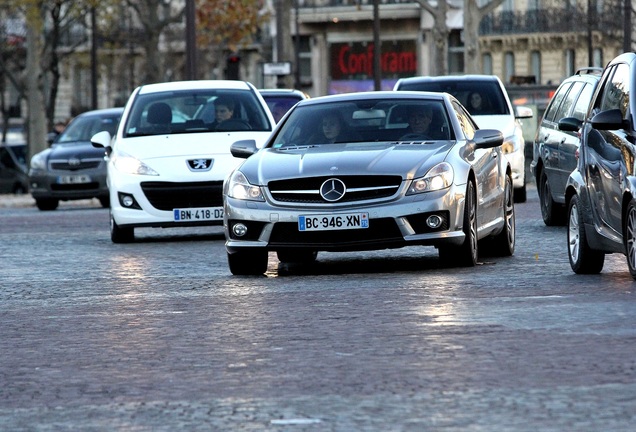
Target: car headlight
(130,165)
(240,188)
(38,161)
(439,177)
(512,144)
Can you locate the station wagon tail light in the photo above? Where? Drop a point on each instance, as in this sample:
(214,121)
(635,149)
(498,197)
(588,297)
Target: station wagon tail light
(439,177)
(240,188)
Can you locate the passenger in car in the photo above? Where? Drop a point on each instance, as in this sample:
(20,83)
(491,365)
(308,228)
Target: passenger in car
(476,104)
(332,129)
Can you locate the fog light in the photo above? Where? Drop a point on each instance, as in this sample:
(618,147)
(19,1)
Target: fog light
(239,229)
(434,221)
(127,201)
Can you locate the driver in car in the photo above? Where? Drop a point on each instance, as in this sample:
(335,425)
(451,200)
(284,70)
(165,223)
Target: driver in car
(419,121)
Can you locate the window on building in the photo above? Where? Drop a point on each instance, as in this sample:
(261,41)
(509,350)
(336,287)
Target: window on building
(304,57)
(597,57)
(509,66)
(455,52)
(570,62)
(535,65)
(486,64)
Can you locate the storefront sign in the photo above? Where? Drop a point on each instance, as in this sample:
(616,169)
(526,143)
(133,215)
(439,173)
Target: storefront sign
(355,60)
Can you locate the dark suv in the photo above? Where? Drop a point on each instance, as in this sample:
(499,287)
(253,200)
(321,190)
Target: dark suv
(554,150)
(600,191)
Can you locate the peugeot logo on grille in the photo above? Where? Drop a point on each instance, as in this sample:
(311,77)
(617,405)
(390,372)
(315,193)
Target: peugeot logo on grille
(332,190)
(200,164)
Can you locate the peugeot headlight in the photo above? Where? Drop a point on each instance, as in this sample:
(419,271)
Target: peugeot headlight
(438,177)
(130,165)
(511,144)
(240,188)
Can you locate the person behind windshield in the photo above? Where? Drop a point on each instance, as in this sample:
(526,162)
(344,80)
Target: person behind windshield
(419,120)
(223,110)
(476,103)
(332,125)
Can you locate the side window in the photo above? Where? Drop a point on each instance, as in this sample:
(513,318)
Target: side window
(568,101)
(465,121)
(616,92)
(556,102)
(583,102)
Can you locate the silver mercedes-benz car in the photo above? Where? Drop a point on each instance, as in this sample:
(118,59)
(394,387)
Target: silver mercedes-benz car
(370,171)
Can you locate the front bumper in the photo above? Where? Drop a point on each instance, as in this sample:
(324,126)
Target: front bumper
(394,224)
(47,185)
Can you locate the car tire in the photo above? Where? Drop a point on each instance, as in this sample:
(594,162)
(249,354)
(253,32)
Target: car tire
(47,204)
(466,254)
(19,189)
(503,244)
(552,213)
(105,202)
(121,234)
(583,259)
(296,256)
(247,262)
(630,237)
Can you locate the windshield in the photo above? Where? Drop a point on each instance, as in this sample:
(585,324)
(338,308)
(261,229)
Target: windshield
(280,104)
(82,128)
(479,97)
(366,121)
(196,110)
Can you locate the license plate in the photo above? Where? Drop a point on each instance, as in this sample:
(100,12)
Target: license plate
(74,179)
(333,222)
(198,214)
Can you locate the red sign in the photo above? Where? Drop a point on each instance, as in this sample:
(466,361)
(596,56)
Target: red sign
(355,60)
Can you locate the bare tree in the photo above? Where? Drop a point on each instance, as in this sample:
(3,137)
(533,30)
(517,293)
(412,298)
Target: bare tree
(473,14)
(154,16)
(440,33)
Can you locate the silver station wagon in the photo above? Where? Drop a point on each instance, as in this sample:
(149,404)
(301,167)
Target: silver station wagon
(370,171)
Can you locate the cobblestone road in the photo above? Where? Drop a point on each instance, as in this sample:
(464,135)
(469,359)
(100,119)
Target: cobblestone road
(158,336)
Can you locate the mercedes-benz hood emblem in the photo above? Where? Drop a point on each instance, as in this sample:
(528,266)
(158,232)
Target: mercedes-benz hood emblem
(332,190)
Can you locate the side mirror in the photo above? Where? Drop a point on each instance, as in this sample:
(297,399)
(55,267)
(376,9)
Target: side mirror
(570,124)
(488,138)
(609,120)
(522,112)
(102,139)
(243,149)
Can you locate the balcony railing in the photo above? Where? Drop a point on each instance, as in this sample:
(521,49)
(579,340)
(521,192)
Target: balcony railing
(549,20)
(335,3)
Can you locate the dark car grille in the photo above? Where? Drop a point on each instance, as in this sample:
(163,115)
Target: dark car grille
(383,231)
(64,165)
(306,190)
(168,196)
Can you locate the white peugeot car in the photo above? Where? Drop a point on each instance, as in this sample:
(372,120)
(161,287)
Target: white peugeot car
(171,152)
